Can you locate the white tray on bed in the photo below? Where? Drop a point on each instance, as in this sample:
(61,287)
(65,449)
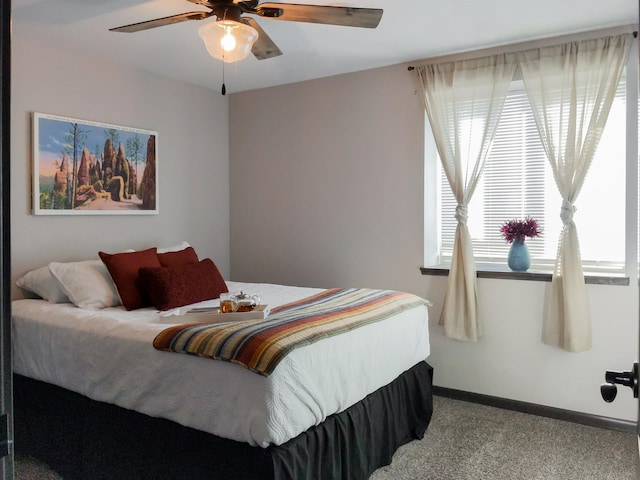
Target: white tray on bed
(213,315)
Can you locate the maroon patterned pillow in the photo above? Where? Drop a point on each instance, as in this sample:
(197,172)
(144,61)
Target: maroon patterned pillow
(123,268)
(178,258)
(171,287)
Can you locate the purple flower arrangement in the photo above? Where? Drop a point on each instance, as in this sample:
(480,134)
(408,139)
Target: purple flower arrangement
(513,229)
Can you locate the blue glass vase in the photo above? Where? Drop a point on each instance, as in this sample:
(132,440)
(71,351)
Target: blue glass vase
(519,259)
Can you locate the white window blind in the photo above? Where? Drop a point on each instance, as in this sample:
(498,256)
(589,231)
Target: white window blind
(517,182)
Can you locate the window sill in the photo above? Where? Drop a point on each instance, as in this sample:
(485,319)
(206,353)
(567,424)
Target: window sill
(496,271)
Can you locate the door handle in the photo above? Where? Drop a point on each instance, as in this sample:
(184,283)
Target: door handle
(608,390)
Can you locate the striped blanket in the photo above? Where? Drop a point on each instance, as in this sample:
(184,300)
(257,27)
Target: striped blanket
(261,345)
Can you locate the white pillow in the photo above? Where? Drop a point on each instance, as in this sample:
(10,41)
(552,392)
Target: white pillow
(41,282)
(174,248)
(87,284)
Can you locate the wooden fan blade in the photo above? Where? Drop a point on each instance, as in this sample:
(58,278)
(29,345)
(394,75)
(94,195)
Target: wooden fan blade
(346,16)
(264,47)
(160,22)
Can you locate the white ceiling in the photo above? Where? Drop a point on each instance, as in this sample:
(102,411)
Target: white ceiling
(409,30)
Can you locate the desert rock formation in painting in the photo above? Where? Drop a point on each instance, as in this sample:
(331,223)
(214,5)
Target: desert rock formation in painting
(106,180)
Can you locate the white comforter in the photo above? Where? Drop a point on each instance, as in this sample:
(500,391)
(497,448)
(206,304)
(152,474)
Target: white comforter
(107,355)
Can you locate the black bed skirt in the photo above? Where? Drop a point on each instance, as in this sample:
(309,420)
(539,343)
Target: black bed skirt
(88,440)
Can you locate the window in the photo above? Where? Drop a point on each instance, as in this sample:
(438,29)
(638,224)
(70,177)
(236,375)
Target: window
(517,181)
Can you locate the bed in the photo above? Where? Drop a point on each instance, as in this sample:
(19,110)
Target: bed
(94,399)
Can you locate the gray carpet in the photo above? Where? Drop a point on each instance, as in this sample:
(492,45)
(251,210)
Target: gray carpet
(30,469)
(467,441)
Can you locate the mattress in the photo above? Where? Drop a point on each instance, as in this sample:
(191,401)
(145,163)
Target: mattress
(107,355)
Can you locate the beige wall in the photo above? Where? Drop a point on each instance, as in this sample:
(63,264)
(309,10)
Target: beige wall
(327,190)
(326,182)
(192,155)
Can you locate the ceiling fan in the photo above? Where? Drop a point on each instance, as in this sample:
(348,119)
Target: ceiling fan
(229,14)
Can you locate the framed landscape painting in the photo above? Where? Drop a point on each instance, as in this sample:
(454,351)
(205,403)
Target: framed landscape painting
(90,168)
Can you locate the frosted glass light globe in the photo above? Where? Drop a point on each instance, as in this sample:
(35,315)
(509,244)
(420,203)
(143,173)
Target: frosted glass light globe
(228,40)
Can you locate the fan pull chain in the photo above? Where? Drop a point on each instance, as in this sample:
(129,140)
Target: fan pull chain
(224,87)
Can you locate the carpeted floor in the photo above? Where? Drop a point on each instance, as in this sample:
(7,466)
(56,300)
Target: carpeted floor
(30,469)
(467,441)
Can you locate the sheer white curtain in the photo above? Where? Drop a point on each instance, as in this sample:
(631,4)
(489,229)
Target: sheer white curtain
(463,101)
(571,88)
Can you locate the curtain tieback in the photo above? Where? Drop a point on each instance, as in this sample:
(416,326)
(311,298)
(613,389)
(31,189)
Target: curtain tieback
(566,212)
(461,214)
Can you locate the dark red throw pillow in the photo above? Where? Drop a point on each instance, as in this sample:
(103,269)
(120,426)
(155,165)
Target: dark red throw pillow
(123,268)
(176,259)
(171,287)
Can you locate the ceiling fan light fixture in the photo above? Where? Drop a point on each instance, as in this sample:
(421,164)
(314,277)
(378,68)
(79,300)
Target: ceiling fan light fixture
(228,40)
